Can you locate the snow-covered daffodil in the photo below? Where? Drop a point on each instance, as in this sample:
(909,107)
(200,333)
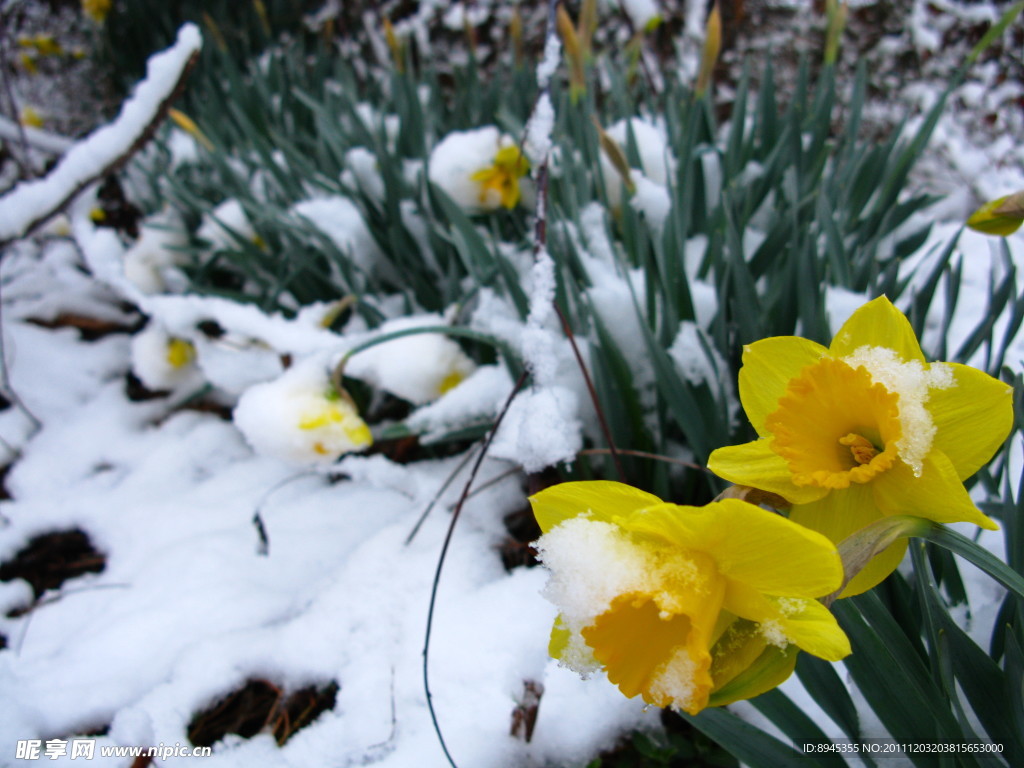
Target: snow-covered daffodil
(687,607)
(300,417)
(164,362)
(864,428)
(481,170)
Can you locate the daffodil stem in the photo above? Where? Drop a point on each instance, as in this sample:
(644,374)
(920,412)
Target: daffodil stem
(444,552)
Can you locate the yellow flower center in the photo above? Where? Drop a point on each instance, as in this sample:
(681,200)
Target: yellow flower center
(503,177)
(835,426)
(658,643)
(180,353)
(860,447)
(451,381)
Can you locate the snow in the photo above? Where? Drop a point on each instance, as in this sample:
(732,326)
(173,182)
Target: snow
(340,219)
(418,368)
(913,382)
(656,163)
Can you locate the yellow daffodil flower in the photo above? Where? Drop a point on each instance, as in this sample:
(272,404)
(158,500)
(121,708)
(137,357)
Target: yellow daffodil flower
(864,428)
(687,607)
(503,177)
(96,10)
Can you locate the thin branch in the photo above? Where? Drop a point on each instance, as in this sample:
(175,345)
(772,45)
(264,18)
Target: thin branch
(605,430)
(444,552)
(437,496)
(643,455)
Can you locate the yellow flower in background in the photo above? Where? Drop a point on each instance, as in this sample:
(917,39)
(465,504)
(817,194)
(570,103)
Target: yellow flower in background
(96,10)
(687,607)
(864,428)
(31,117)
(1001,217)
(180,353)
(503,177)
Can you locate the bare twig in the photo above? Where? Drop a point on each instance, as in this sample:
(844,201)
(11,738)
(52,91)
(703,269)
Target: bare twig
(643,455)
(440,563)
(437,496)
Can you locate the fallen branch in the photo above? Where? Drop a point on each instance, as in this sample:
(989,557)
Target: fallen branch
(106,149)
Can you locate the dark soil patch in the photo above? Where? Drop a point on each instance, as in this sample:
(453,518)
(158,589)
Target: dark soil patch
(89,328)
(517,548)
(258,706)
(50,559)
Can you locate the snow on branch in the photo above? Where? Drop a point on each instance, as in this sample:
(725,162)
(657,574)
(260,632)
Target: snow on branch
(31,203)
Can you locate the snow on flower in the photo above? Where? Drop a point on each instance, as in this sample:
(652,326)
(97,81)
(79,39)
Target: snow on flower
(301,418)
(479,169)
(688,607)
(419,368)
(149,263)
(656,165)
(865,428)
(162,361)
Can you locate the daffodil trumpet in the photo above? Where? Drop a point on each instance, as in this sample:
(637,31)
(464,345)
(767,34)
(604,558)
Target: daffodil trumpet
(865,428)
(688,607)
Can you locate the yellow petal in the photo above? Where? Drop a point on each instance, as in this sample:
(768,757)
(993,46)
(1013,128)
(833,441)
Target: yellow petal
(938,494)
(757,465)
(768,366)
(748,544)
(602,499)
(739,646)
(842,513)
(877,324)
(972,418)
(559,638)
(805,623)
(770,669)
